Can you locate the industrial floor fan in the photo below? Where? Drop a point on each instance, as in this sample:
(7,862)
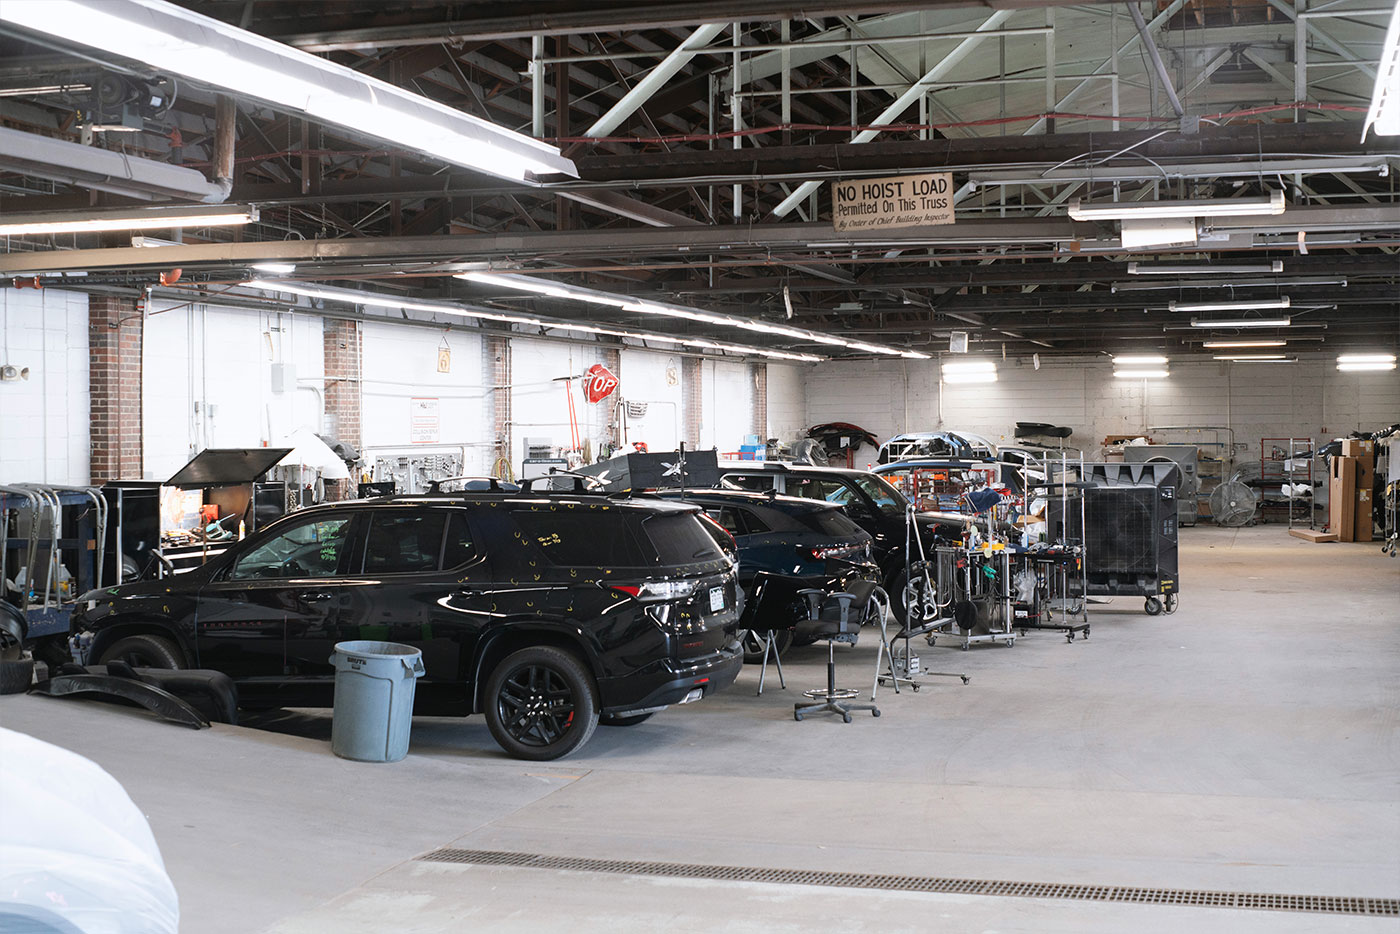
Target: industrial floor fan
(1233,504)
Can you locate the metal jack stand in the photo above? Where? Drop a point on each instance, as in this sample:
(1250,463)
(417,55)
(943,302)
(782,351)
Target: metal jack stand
(920,604)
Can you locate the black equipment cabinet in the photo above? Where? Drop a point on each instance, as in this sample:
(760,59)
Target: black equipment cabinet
(658,471)
(1130,530)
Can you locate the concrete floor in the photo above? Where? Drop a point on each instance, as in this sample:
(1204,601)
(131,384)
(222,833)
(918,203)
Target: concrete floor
(1247,743)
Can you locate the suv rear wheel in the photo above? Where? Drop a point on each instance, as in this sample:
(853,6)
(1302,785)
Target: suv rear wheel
(541,703)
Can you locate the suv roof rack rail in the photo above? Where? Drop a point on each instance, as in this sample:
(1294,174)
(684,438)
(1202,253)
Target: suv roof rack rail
(583,484)
(495,484)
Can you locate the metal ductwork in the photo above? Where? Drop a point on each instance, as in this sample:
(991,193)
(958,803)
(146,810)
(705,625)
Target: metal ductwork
(104,170)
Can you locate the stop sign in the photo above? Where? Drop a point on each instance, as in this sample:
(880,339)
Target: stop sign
(598,383)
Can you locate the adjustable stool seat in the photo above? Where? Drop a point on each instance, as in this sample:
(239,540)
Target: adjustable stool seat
(839,617)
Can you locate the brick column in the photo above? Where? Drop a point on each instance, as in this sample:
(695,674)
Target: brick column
(692,399)
(612,359)
(496,350)
(759,374)
(341,346)
(115,328)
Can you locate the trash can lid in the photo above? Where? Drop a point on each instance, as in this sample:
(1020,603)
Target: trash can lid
(376,649)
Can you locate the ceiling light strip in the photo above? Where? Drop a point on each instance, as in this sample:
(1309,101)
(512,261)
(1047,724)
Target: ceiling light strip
(164,218)
(1241,323)
(1207,207)
(353,297)
(1282,302)
(1183,269)
(552,289)
(192,45)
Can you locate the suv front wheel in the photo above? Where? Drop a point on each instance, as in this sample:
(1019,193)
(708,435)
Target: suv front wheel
(541,704)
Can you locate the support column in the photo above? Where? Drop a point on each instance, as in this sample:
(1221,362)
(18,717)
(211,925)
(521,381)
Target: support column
(115,330)
(612,359)
(758,372)
(692,399)
(497,365)
(342,344)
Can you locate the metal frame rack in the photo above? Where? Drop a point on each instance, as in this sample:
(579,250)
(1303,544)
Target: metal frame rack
(53,534)
(1061,575)
(1279,464)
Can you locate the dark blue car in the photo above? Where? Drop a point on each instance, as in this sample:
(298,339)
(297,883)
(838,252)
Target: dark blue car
(785,535)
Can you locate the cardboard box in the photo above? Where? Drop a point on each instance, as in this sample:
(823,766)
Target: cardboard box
(1355,447)
(1341,501)
(1312,535)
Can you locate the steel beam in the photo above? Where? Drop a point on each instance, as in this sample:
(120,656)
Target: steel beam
(654,80)
(903,101)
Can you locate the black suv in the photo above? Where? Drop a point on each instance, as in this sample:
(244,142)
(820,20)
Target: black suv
(869,499)
(544,612)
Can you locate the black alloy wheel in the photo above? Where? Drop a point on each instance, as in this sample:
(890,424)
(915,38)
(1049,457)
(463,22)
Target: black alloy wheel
(541,704)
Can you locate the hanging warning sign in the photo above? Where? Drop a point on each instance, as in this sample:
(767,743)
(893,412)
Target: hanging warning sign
(900,201)
(598,383)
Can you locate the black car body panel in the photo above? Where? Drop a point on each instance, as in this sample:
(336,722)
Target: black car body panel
(518,570)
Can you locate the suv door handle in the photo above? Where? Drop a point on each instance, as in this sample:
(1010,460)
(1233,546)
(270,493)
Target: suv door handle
(315,596)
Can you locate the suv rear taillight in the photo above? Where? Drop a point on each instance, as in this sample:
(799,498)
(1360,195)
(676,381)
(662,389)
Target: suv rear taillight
(651,591)
(830,551)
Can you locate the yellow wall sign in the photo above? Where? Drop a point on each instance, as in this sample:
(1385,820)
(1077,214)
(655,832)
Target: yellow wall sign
(899,201)
(444,360)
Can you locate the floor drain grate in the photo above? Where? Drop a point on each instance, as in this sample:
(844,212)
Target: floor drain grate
(1256,901)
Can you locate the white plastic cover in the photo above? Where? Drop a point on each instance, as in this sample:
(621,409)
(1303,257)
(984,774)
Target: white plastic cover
(74,847)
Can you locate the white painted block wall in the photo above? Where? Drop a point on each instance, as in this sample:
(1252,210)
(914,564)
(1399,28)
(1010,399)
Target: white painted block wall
(726,417)
(44,434)
(1309,399)
(653,378)
(539,402)
(400,364)
(787,403)
(207,381)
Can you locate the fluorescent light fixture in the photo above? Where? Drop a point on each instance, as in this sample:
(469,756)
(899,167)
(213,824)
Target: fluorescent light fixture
(1211,345)
(163,218)
(1383,116)
(1279,359)
(1366,358)
(1152,285)
(1207,207)
(1168,269)
(1136,359)
(1241,322)
(1252,356)
(140,242)
(275,267)
(180,41)
(970,371)
(1141,374)
(1361,367)
(1229,306)
(377,300)
(555,290)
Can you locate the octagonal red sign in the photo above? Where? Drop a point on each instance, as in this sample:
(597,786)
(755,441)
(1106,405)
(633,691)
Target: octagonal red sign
(598,383)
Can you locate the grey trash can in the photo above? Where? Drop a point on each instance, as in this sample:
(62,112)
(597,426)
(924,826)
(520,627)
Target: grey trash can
(374,684)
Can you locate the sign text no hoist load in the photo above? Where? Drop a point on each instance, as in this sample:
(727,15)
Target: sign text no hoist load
(598,383)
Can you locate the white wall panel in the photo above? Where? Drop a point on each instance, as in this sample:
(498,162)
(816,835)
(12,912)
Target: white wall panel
(727,406)
(400,364)
(207,380)
(44,435)
(787,401)
(653,378)
(539,403)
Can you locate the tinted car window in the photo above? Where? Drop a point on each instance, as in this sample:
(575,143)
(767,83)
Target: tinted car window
(752,523)
(829,489)
(459,548)
(309,549)
(590,538)
(829,522)
(885,496)
(402,543)
(759,483)
(680,539)
(728,517)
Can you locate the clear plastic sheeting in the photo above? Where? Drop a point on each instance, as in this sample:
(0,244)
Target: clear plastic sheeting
(76,855)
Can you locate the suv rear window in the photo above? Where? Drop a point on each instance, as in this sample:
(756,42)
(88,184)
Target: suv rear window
(587,538)
(680,539)
(402,543)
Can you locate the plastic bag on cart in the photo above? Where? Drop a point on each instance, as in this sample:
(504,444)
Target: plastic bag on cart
(75,853)
(1024,581)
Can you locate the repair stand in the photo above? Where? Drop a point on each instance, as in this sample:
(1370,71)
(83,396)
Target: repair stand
(896,670)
